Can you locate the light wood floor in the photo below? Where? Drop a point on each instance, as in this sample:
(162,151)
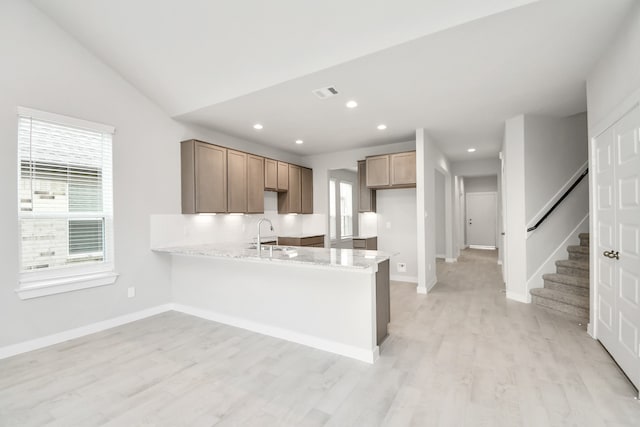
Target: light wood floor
(461,356)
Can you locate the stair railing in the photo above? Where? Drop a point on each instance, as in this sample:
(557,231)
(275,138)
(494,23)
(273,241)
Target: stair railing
(556,204)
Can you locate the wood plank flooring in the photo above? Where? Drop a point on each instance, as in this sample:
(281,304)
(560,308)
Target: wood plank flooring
(461,356)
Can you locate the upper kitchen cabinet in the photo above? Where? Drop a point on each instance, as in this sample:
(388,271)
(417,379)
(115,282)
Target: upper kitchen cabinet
(270,175)
(283,177)
(204,177)
(403,169)
(236,181)
(255,183)
(291,201)
(366,196)
(377,171)
(306,179)
(397,170)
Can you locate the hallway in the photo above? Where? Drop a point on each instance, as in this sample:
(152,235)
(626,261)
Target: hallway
(461,356)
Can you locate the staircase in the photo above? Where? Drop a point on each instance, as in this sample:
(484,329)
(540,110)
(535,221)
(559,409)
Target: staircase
(568,289)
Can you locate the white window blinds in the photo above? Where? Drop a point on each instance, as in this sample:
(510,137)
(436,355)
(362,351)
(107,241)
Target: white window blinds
(65,192)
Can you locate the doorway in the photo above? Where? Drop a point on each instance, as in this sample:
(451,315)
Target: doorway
(481,220)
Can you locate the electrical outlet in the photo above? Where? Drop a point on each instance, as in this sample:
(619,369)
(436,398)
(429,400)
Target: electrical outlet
(402,267)
(388,225)
(131,292)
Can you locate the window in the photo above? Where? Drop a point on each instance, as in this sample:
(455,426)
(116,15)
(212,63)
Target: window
(346,210)
(65,203)
(332,209)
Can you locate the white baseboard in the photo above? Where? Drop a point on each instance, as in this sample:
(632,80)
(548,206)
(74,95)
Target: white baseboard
(38,343)
(451,260)
(441,256)
(364,355)
(590,330)
(488,248)
(499,262)
(397,278)
(421,290)
(519,297)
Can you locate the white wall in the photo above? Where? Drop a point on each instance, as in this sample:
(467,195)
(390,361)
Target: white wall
(554,150)
(479,167)
(441,243)
(515,219)
(429,158)
(616,76)
(481,184)
(46,69)
(397,231)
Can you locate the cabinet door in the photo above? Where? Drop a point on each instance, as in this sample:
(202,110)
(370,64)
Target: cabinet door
(295,189)
(403,169)
(204,178)
(283,176)
(366,196)
(236,182)
(270,175)
(307,190)
(377,171)
(291,201)
(255,184)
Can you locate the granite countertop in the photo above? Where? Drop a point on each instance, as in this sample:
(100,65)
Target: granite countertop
(335,258)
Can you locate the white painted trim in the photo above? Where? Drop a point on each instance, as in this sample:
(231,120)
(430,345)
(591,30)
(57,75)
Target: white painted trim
(46,341)
(43,287)
(590,330)
(555,255)
(65,120)
(408,279)
(488,248)
(441,256)
(432,283)
(451,260)
(369,356)
(499,262)
(556,197)
(421,290)
(519,297)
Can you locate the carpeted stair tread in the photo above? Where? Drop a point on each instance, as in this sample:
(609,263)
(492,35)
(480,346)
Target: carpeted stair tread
(578,249)
(562,297)
(583,236)
(580,312)
(582,282)
(572,263)
(584,239)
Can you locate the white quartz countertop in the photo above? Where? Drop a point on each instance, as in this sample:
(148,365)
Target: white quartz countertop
(336,258)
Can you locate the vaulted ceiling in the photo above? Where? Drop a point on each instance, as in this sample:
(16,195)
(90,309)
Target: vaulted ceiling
(455,67)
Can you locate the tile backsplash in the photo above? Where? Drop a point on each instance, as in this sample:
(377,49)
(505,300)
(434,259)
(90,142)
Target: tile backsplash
(176,230)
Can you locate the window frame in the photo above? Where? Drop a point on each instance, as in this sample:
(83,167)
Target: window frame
(38,283)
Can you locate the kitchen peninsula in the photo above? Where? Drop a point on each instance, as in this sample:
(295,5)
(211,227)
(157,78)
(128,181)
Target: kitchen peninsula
(335,300)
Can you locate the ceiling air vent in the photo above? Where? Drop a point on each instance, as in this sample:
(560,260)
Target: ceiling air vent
(325,92)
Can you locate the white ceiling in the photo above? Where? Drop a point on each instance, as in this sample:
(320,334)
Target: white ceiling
(455,67)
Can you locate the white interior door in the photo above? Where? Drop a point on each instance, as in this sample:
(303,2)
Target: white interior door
(618,242)
(481,219)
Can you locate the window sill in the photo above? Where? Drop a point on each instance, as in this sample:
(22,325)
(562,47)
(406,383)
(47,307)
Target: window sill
(42,287)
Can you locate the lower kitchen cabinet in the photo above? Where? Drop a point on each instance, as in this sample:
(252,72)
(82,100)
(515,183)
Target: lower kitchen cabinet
(308,241)
(367,243)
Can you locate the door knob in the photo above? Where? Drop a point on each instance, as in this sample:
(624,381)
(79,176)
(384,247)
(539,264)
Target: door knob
(611,254)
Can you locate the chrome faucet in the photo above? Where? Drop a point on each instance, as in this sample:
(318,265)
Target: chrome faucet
(259,242)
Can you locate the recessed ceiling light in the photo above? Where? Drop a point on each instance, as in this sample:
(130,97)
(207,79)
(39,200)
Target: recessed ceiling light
(257,126)
(382,127)
(471,150)
(299,141)
(352,104)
